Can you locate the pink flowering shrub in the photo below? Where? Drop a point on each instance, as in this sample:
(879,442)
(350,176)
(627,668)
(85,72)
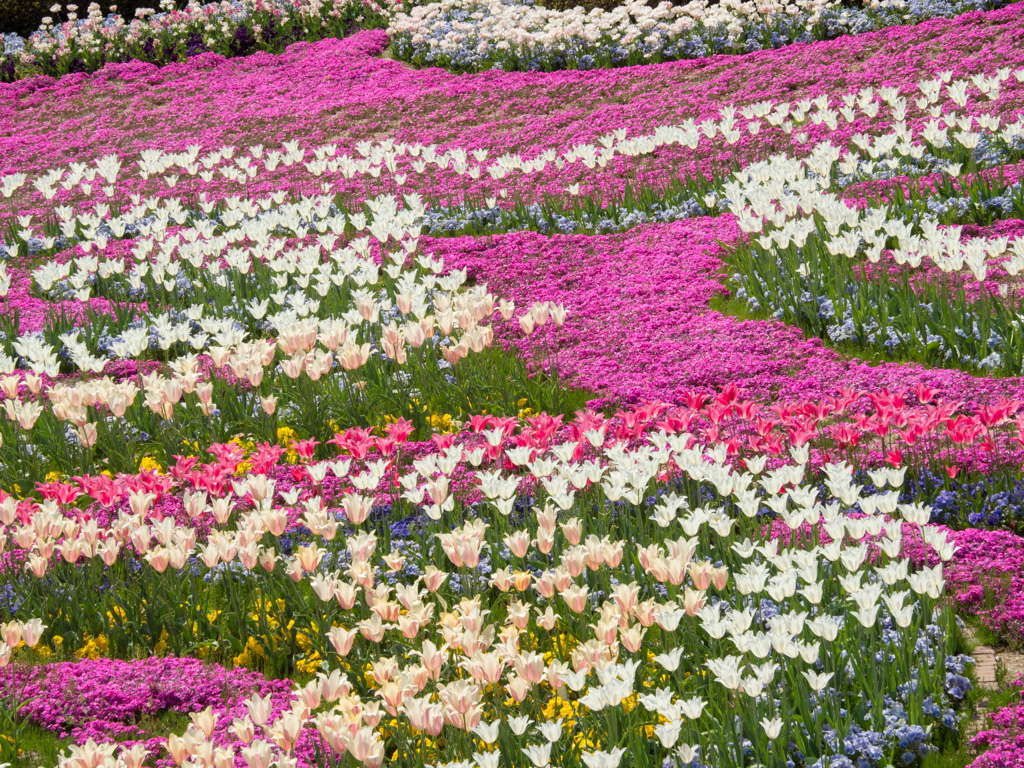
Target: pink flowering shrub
(342,91)
(986,579)
(104,699)
(640,325)
(1004,741)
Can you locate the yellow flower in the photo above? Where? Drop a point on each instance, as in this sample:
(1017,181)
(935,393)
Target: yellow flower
(94,647)
(252,651)
(161,646)
(587,743)
(54,477)
(242,660)
(440,422)
(309,665)
(522,402)
(302,638)
(286,436)
(118,611)
(148,462)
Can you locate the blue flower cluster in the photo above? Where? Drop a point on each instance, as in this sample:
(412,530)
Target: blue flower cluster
(13,43)
(535,217)
(958,686)
(997,207)
(996,501)
(818,311)
(10,600)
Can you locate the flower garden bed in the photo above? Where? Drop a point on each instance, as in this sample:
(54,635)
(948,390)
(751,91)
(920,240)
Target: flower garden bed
(661,415)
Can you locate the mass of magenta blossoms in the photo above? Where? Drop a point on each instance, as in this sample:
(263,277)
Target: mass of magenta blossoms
(1003,743)
(660,409)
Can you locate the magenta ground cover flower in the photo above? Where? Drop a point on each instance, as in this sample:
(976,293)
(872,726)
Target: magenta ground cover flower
(342,91)
(986,579)
(640,326)
(104,699)
(1004,741)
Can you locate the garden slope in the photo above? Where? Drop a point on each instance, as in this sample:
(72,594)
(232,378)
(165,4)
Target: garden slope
(640,327)
(341,90)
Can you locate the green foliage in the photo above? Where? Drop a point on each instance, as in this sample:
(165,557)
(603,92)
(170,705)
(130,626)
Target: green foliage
(951,757)
(36,746)
(12,730)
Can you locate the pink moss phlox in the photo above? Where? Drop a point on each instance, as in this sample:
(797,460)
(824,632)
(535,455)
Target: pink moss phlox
(1004,741)
(641,326)
(104,699)
(986,579)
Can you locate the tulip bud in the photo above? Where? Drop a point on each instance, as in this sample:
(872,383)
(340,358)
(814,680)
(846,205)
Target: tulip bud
(204,392)
(32,631)
(11,632)
(342,639)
